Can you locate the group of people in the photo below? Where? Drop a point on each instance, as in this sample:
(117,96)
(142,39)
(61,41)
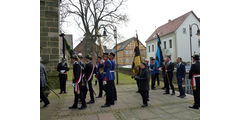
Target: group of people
(83,71)
(105,76)
(167,68)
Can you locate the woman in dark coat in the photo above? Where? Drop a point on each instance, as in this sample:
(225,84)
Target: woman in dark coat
(143,78)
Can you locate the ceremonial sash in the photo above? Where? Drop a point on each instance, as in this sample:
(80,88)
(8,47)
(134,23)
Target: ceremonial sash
(90,76)
(193,82)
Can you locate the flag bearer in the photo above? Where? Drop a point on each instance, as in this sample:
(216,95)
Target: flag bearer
(62,68)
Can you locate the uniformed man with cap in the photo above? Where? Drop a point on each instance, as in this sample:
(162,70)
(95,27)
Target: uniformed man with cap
(99,75)
(194,75)
(154,73)
(108,81)
(89,71)
(62,68)
(80,60)
(111,57)
(78,84)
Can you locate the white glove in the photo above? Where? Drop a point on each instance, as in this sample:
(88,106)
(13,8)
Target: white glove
(104,82)
(73,84)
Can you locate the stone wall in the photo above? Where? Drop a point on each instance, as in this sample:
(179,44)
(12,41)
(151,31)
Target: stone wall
(49,39)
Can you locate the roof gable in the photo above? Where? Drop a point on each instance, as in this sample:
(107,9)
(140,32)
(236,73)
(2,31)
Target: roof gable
(171,26)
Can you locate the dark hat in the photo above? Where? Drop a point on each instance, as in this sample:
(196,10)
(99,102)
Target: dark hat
(144,64)
(80,55)
(196,57)
(88,57)
(99,57)
(105,53)
(74,56)
(152,58)
(112,54)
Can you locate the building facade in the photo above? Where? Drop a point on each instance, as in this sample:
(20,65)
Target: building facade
(175,38)
(125,52)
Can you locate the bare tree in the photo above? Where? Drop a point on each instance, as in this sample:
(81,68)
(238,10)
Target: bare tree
(92,16)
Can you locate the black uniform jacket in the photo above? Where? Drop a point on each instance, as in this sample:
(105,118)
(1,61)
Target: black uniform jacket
(62,67)
(143,79)
(195,69)
(88,70)
(76,71)
(170,68)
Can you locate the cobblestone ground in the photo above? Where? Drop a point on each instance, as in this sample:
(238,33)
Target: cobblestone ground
(127,107)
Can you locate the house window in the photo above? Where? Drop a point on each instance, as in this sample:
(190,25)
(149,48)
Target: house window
(126,60)
(149,49)
(165,45)
(170,43)
(126,52)
(184,30)
(130,51)
(199,43)
(152,48)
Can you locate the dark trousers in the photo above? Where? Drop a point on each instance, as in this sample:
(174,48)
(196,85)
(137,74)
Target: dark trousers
(154,77)
(137,81)
(169,82)
(179,81)
(81,96)
(114,91)
(91,90)
(196,93)
(164,81)
(62,79)
(43,96)
(153,81)
(100,84)
(109,92)
(144,94)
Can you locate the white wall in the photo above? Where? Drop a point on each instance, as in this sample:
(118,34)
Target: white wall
(150,54)
(183,40)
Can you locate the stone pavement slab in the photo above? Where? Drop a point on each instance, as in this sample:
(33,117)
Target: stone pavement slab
(127,107)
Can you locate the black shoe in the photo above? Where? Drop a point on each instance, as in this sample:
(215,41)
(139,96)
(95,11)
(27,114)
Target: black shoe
(105,105)
(82,107)
(166,93)
(182,96)
(179,96)
(173,93)
(115,99)
(46,104)
(144,105)
(98,96)
(153,88)
(193,107)
(137,91)
(90,102)
(73,107)
(111,103)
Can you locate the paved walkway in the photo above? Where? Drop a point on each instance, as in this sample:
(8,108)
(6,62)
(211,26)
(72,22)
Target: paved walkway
(127,107)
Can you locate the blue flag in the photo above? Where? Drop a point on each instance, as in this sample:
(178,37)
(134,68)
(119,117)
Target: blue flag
(159,57)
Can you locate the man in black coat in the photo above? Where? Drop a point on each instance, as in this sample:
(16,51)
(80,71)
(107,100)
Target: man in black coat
(62,68)
(194,75)
(143,83)
(169,75)
(180,74)
(43,83)
(78,84)
(89,70)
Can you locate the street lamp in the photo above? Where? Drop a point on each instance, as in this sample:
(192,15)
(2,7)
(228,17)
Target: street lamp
(115,37)
(198,34)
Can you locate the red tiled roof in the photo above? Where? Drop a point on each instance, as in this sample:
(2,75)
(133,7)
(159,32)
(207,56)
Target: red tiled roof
(171,26)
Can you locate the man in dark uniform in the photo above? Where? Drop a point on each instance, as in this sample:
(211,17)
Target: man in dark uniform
(180,74)
(62,68)
(43,83)
(80,60)
(154,74)
(78,84)
(108,81)
(99,75)
(194,75)
(169,75)
(89,69)
(143,78)
(111,57)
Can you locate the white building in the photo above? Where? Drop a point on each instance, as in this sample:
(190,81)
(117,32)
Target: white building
(175,38)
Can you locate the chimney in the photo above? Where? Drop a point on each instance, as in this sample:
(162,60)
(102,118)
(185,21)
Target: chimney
(169,20)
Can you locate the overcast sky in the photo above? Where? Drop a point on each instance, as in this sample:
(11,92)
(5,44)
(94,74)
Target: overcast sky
(144,15)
